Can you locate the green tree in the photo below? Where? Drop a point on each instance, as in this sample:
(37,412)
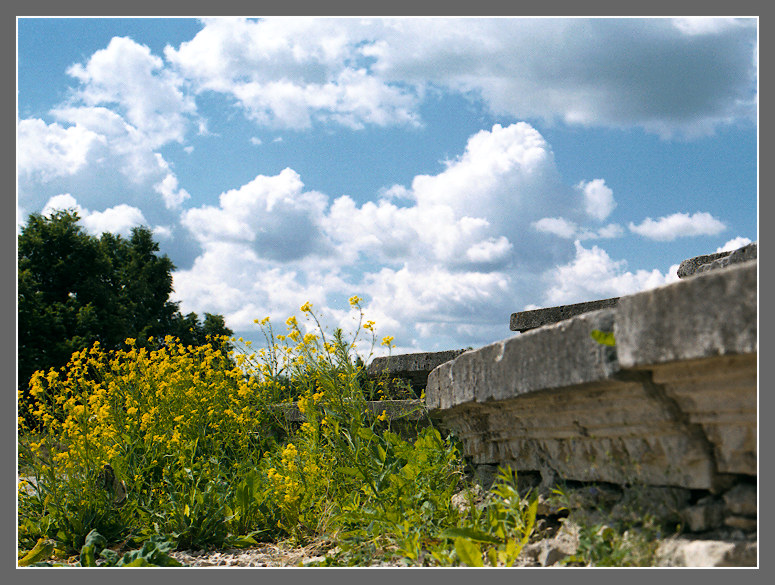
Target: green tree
(75,289)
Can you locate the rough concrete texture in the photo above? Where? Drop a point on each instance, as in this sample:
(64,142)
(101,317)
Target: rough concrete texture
(551,357)
(709,262)
(672,404)
(413,367)
(711,314)
(689,266)
(526,320)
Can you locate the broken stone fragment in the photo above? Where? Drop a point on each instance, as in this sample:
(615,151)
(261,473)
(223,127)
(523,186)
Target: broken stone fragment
(708,262)
(741,500)
(707,514)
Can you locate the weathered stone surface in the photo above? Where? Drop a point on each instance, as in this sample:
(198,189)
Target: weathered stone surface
(555,356)
(718,395)
(413,367)
(709,315)
(672,404)
(707,514)
(741,500)
(680,552)
(709,262)
(526,320)
(741,522)
(689,266)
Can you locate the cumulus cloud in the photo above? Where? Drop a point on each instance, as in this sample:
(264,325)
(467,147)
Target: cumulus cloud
(672,77)
(126,74)
(667,229)
(47,151)
(734,244)
(658,74)
(563,228)
(88,151)
(119,219)
(460,245)
(592,274)
(598,198)
(108,132)
(558,226)
(273,215)
(290,72)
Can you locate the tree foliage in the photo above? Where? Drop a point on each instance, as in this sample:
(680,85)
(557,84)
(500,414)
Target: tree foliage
(75,288)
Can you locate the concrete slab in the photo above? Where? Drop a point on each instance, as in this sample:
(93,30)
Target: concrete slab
(708,262)
(527,320)
(714,313)
(413,367)
(672,403)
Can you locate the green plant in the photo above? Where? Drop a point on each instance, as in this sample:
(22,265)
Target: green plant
(208,459)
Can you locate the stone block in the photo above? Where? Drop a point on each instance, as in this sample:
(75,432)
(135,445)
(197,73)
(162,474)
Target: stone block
(554,356)
(741,500)
(708,315)
(526,320)
(681,552)
(704,516)
(672,403)
(709,262)
(413,367)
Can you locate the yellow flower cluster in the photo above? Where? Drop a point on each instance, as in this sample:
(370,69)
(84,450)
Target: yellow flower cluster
(104,406)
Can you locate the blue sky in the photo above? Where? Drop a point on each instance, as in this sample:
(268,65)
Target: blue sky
(448,171)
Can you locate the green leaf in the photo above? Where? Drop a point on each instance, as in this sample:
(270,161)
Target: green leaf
(603,337)
(42,549)
(95,542)
(471,534)
(469,552)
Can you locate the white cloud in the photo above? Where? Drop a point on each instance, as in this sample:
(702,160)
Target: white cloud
(598,198)
(91,150)
(556,225)
(563,228)
(704,25)
(666,229)
(290,72)
(125,73)
(119,219)
(594,275)
(590,72)
(45,151)
(62,202)
(273,215)
(460,245)
(672,77)
(734,244)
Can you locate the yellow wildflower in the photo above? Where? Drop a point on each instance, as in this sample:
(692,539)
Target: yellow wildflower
(306,307)
(354,300)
